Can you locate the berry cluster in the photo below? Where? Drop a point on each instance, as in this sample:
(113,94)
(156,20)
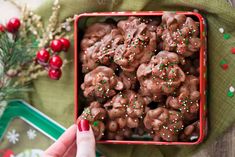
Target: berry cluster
(50,61)
(53,63)
(12,26)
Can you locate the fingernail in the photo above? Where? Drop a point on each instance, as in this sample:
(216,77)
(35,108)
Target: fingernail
(83,125)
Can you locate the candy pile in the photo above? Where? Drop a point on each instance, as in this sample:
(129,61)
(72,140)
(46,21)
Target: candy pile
(141,77)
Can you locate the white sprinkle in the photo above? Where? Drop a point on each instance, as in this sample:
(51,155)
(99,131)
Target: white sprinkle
(193,138)
(221,30)
(231,89)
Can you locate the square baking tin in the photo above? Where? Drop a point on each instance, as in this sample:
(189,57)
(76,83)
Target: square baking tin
(85,19)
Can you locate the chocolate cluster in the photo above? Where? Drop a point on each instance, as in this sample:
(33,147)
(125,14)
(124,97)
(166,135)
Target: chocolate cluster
(98,45)
(187,101)
(161,76)
(139,44)
(179,33)
(141,78)
(95,114)
(165,124)
(125,111)
(101,83)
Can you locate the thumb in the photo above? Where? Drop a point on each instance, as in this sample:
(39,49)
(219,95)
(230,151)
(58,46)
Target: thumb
(85,140)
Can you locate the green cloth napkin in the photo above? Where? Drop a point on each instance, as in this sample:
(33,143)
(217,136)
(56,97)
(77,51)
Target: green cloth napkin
(55,98)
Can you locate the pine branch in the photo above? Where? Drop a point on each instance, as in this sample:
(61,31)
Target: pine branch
(14,54)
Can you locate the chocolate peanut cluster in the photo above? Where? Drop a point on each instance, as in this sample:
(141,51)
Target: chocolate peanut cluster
(125,111)
(95,114)
(98,46)
(165,124)
(187,101)
(101,83)
(141,78)
(139,44)
(179,33)
(161,76)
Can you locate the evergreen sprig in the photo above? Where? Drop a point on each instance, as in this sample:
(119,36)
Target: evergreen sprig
(15,53)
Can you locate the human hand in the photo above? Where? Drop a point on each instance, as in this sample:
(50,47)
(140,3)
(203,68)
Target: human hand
(77,141)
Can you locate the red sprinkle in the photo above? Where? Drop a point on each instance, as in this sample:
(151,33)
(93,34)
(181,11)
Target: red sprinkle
(225,66)
(233,50)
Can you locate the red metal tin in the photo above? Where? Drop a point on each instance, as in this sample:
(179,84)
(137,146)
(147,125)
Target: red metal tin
(202,77)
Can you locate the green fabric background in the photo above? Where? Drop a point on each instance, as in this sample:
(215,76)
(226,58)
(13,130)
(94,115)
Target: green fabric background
(56,98)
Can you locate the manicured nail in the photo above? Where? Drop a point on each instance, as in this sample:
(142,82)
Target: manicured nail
(83,125)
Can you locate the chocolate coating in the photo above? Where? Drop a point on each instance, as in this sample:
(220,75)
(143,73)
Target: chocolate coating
(139,44)
(191,132)
(125,111)
(179,33)
(188,100)
(95,114)
(121,134)
(164,124)
(126,103)
(101,83)
(98,46)
(161,76)
(129,79)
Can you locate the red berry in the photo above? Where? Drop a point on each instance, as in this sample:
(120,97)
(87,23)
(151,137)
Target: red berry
(55,74)
(233,50)
(225,66)
(13,25)
(56,45)
(2,28)
(65,44)
(55,62)
(43,55)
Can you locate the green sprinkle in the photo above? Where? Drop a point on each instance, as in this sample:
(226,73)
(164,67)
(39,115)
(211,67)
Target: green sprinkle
(161,66)
(227,36)
(230,94)
(186,41)
(95,123)
(222,62)
(103,81)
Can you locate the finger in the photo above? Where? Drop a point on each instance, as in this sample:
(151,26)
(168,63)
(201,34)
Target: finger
(85,140)
(63,143)
(71,152)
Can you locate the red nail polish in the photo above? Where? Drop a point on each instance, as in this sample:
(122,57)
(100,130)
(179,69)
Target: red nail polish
(83,125)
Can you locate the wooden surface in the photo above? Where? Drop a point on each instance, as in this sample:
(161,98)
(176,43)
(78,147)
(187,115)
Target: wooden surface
(224,146)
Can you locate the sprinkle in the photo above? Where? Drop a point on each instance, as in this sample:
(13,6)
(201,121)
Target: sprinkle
(231,89)
(227,36)
(221,30)
(95,123)
(230,94)
(233,50)
(192,138)
(222,62)
(224,66)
